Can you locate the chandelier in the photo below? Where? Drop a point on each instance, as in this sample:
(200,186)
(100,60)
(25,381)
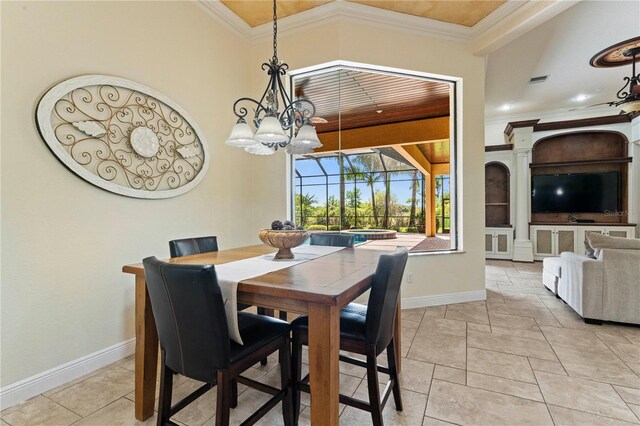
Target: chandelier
(274,129)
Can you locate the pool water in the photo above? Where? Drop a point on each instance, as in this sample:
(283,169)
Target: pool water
(357,239)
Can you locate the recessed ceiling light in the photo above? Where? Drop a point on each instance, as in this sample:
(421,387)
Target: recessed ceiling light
(581,97)
(505,107)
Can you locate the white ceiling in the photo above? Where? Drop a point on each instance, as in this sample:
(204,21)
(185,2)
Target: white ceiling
(562,48)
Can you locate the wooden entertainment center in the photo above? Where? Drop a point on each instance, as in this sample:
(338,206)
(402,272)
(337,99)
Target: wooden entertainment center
(592,151)
(587,146)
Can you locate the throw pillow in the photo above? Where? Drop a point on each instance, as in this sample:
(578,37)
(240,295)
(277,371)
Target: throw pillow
(588,250)
(599,241)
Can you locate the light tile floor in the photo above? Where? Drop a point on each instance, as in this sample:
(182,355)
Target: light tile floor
(521,357)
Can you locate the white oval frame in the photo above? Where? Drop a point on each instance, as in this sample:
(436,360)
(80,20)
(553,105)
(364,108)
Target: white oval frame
(43,122)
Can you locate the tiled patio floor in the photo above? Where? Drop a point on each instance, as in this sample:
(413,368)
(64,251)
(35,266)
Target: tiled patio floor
(521,357)
(413,242)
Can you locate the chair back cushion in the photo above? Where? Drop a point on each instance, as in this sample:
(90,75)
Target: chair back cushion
(189,246)
(383,299)
(190,317)
(331,239)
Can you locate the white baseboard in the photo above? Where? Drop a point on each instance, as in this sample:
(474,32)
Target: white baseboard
(443,299)
(35,385)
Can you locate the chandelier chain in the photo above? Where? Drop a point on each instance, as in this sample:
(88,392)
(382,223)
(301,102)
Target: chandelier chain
(275,31)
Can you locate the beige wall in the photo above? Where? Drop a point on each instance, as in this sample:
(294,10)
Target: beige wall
(64,241)
(350,41)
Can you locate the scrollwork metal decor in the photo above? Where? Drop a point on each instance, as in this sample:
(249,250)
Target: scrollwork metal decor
(123,137)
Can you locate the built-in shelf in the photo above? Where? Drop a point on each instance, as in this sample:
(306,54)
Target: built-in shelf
(582,163)
(496,195)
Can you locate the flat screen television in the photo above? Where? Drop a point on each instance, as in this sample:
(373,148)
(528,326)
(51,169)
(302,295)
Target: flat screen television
(575,193)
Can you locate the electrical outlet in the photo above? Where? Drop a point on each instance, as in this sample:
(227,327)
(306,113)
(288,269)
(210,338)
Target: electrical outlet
(409,278)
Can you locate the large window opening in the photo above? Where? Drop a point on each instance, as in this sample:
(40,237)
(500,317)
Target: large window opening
(386,170)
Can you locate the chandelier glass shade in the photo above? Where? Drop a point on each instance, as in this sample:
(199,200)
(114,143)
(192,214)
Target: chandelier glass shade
(274,128)
(241,136)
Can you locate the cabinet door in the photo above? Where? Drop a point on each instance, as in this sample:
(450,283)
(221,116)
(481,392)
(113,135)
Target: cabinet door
(502,245)
(543,241)
(566,240)
(488,242)
(618,232)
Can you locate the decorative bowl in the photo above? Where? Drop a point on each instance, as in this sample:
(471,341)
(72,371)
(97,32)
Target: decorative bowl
(283,240)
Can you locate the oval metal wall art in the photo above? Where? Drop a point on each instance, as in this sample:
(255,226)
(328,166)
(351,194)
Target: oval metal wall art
(123,137)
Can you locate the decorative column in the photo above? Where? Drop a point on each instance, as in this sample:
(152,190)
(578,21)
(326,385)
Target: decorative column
(522,246)
(522,137)
(634,175)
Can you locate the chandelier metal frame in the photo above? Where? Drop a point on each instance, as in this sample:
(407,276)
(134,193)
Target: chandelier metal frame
(296,113)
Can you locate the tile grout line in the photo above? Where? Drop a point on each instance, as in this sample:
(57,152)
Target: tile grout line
(426,406)
(66,408)
(540,389)
(552,349)
(614,352)
(623,400)
(466,351)
(582,411)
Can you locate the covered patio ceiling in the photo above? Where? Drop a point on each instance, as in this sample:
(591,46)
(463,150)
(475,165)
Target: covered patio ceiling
(350,99)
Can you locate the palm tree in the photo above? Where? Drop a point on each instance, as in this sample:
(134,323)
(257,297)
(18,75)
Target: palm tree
(352,173)
(306,202)
(371,176)
(387,200)
(415,184)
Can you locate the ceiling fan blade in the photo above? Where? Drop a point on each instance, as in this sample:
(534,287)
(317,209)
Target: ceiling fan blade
(591,106)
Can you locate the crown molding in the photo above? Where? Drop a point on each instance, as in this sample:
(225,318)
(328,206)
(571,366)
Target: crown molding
(551,115)
(225,16)
(506,23)
(329,12)
(514,21)
(507,9)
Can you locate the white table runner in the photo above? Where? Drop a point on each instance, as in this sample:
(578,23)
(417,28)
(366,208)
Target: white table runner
(230,274)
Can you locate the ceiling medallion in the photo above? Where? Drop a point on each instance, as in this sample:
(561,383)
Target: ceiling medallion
(620,54)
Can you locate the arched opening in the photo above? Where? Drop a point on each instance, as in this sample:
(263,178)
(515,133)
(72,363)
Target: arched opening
(496,185)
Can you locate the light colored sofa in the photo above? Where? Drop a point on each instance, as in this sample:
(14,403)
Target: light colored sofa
(606,288)
(551,271)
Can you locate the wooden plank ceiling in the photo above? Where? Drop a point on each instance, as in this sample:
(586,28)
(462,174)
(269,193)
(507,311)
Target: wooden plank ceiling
(461,12)
(435,152)
(350,99)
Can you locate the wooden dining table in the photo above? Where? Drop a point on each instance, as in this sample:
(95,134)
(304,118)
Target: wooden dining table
(318,288)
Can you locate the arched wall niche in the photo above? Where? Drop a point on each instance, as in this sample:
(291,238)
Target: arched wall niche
(592,151)
(497,194)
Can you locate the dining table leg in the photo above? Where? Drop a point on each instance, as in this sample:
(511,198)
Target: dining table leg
(324,372)
(146,353)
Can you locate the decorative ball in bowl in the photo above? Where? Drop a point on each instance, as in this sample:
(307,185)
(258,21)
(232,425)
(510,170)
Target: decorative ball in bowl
(284,240)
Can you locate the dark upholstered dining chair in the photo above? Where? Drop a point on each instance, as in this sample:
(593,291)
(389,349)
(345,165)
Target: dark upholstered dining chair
(331,239)
(190,246)
(194,340)
(365,330)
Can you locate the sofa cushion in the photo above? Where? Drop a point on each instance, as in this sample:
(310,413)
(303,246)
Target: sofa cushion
(599,241)
(552,265)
